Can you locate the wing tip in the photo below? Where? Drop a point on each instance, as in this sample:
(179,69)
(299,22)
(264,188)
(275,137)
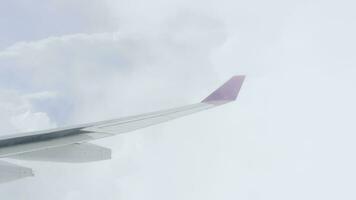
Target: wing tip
(227,92)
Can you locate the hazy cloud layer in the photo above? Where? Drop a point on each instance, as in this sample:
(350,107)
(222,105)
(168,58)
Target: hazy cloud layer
(113,69)
(85,77)
(22,20)
(289,136)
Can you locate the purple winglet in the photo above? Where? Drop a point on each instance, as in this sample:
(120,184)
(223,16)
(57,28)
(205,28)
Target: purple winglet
(227,92)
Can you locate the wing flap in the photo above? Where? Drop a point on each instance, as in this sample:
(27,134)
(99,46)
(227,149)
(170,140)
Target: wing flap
(74,153)
(25,147)
(11,172)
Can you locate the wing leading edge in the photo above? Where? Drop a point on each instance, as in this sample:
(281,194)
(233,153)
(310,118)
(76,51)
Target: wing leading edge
(31,146)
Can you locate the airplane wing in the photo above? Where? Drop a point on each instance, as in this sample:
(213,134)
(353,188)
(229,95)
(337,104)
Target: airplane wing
(70,144)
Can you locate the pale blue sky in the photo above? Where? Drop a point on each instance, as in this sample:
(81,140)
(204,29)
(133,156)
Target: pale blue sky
(33,20)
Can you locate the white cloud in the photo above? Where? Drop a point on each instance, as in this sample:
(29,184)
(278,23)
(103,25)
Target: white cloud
(42,19)
(86,77)
(87,69)
(18,115)
(41,95)
(290,136)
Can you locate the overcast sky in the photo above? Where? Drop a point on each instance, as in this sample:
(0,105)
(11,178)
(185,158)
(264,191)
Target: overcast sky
(290,135)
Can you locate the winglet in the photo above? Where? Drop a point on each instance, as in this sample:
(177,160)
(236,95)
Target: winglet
(227,92)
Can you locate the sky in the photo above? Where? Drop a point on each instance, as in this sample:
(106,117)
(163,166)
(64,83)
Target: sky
(290,135)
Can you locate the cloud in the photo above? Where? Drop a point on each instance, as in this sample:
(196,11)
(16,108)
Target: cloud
(18,115)
(41,96)
(292,126)
(87,69)
(88,77)
(26,22)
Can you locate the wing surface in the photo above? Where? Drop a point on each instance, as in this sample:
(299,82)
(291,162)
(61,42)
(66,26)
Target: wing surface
(58,138)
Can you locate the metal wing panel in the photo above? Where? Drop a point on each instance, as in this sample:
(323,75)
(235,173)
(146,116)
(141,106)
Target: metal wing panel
(38,142)
(42,145)
(11,172)
(74,153)
(142,121)
(30,142)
